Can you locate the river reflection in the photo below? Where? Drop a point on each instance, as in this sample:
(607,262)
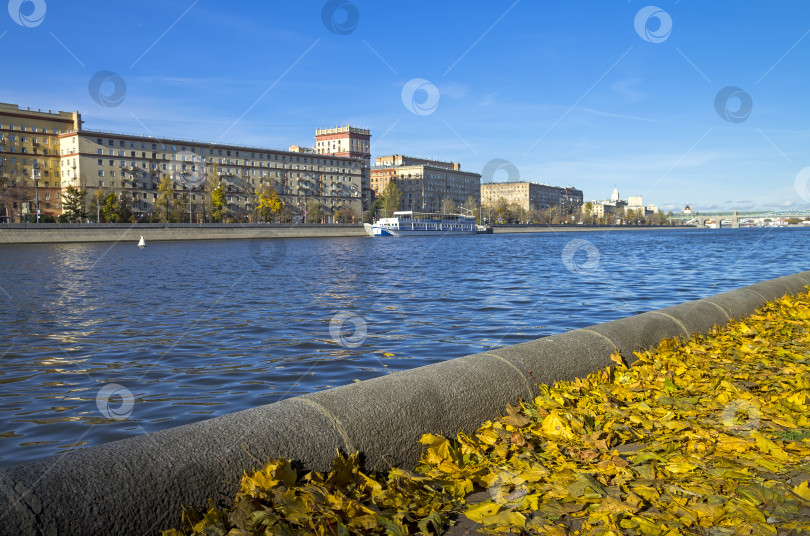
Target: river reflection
(198,329)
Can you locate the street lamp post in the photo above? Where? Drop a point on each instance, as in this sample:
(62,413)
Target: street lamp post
(36,195)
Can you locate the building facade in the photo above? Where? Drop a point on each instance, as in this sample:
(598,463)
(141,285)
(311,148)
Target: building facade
(424,183)
(133,167)
(616,206)
(30,178)
(349,142)
(531,196)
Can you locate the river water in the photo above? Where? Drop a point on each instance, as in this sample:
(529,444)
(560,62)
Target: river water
(101,342)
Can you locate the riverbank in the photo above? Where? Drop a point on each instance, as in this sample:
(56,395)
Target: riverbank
(73,233)
(137,485)
(708,432)
(539,228)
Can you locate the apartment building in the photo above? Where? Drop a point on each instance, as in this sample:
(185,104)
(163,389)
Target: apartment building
(133,166)
(531,196)
(425,183)
(29,161)
(349,142)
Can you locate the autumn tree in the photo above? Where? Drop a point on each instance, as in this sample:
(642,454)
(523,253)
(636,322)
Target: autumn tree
(344,215)
(109,208)
(269,203)
(96,201)
(501,212)
(470,207)
(165,199)
(218,206)
(448,206)
(587,212)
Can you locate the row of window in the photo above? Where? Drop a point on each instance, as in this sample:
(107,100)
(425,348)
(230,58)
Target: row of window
(25,172)
(23,139)
(220,152)
(25,128)
(220,161)
(46,184)
(23,150)
(225,172)
(34,161)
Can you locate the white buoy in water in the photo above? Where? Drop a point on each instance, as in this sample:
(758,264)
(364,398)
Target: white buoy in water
(142,243)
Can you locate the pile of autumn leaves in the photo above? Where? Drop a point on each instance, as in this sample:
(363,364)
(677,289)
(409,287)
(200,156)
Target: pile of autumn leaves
(709,436)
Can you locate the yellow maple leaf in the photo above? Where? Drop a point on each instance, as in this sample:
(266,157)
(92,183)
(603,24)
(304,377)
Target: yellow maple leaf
(803,491)
(478,512)
(554,425)
(769,447)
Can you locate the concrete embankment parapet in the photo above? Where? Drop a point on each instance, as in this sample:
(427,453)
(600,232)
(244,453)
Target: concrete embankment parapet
(49,233)
(137,485)
(71,233)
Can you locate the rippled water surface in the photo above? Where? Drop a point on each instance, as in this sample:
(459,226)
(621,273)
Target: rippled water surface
(199,329)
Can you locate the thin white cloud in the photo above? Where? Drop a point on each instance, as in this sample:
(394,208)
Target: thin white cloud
(453,90)
(617,116)
(487,100)
(626,88)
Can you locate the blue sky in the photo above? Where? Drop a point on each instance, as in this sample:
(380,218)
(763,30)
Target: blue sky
(570,93)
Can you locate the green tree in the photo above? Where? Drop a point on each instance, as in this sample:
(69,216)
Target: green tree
(314,211)
(269,203)
(375,207)
(391,197)
(124,212)
(73,205)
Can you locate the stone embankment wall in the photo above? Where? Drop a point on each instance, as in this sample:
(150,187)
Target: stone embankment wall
(50,233)
(67,233)
(136,486)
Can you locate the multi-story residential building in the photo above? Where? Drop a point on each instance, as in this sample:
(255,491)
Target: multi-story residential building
(424,183)
(348,142)
(617,206)
(29,161)
(133,167)
(531,196)
(614,206)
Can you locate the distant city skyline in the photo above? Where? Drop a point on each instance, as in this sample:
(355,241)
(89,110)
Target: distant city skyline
(681,103)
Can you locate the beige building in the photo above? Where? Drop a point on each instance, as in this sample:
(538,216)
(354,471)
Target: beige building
(133,166)
(349,142)
(29,161)
(530,195)
(425,183)
(616,206)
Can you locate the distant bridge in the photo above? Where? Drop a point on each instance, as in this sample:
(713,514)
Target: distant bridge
(737,215)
